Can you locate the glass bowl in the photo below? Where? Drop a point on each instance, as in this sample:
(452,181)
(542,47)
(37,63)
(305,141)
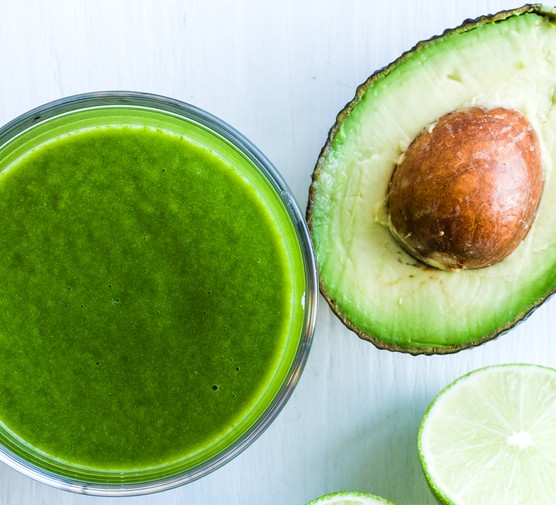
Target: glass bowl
(51,122)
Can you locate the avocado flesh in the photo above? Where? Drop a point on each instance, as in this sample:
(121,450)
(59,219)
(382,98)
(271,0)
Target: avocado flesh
(377,289)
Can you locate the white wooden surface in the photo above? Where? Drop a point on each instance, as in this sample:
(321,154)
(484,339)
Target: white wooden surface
(279,71)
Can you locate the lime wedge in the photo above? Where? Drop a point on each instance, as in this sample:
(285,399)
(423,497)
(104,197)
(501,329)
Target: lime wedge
(350,498)
(490,438)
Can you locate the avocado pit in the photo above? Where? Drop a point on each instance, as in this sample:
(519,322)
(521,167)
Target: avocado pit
(466,191)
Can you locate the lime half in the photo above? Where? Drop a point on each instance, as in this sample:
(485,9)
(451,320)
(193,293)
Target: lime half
(490,438)
(349,498)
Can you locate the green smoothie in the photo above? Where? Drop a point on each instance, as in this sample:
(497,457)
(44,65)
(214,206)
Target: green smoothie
(147,303)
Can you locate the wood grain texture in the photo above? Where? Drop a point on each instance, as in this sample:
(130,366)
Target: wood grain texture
(278,71)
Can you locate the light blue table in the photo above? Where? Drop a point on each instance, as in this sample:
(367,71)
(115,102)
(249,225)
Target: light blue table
(278,71)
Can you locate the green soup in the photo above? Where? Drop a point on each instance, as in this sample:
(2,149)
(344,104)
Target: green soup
(150,303)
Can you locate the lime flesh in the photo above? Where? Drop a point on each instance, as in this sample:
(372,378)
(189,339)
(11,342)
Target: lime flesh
(350,498)
(490,438)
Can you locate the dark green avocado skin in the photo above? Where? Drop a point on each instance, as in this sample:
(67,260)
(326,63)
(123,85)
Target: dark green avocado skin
(467,26)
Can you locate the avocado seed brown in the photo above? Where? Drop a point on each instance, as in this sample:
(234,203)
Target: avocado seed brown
(466,191)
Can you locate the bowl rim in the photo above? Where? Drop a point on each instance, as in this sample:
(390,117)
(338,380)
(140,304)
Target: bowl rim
(211,123)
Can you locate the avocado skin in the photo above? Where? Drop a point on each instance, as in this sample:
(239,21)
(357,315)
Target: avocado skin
(466,26)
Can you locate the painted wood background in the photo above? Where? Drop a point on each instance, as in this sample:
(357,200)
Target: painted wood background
(278,71)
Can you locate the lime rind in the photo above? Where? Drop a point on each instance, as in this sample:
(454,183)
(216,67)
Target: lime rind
(508,449)
(350,498)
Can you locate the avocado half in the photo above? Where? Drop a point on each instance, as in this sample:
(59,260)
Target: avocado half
(379,291)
